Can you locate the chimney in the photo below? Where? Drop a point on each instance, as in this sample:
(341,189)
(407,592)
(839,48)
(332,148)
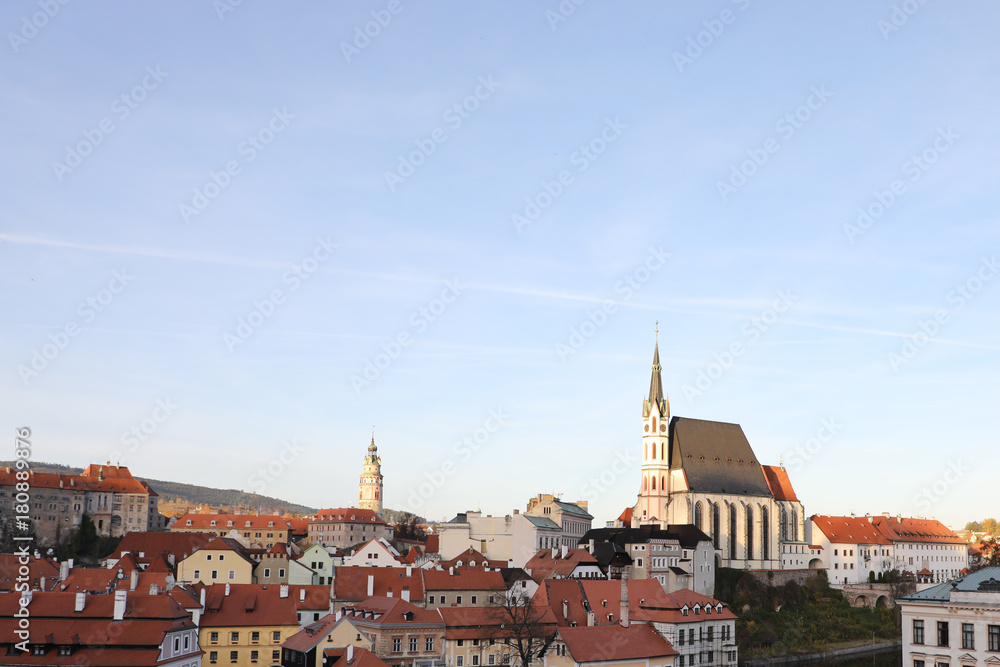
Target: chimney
(590,618)
(624,605)
(64,570)
(26,596)
(203,596)
(409,570)
(350,653)
(371,585)
(302,595)
(227,590)
(555,552)
(70,561)
(510,562)
(41,584)
(283,591)
(154,589)
(405,594)
(565,605)
(451,571)
(340,613)
(564,550)
(133,580)
(81,601)
(120,598)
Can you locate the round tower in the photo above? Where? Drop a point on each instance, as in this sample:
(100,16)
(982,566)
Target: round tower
(370,488)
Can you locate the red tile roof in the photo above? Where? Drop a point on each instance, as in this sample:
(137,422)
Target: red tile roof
(482,622)
(239,522)
(384,610)
(469,557)
(337,657)
(433,544)
(463,580)
(915,530)
(780,485)
(604,643)
(116,480)
(848,530)
(39,567)
(316,597)
(543,566)
(312,634)
(247,605)
(626,516)
(146,546)
(347,514)
(351,583)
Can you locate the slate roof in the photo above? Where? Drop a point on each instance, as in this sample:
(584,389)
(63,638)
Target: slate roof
(543,521)
(716,458)
(574,509)
(687,534)
(968,583)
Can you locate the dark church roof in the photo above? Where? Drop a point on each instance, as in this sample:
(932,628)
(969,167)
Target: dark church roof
(715,457)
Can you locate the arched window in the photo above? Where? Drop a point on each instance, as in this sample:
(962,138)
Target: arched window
(654,424)
(732,531)
(697,515)
(715,525)
(654,482)
(795,526)
(749,532)
(663,483)
(764,529)
(783,523)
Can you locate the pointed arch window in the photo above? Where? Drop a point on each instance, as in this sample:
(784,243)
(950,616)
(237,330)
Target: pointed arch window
(654,482)
(764,530)
(697,515)
(663,483)
(795,526)
(732,531)
(782,524)
(715,525)
(749,532)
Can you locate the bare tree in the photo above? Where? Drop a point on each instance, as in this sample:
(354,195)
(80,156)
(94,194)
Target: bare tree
(518,624)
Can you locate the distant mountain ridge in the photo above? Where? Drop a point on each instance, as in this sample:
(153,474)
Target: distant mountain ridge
(192,494)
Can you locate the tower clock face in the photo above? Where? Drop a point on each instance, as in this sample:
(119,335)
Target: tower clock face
(663,428)
(646,428)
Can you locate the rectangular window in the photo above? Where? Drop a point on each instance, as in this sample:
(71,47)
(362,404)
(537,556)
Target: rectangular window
(275,655)
(213,637)
(255,636)
(993,632)
(474,599)
(177,644)
(267,572)
(232,574)
(213,656)
(680,661)
(918,663)
(397,644)
(430,599)
(968,636)
(458,599)
(459,660)
(197,574)
(475,660)
(276,637)
(234,656)
(443,601)
(234,637)
(253,656)
(215,574)
(942,633)
(281,574)
(428,643)
(918,631)
(413,644)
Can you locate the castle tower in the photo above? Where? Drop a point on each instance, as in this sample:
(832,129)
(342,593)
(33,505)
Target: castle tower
(370,488)
(654,491)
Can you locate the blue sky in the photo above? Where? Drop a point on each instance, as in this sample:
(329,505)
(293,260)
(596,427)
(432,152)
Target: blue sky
(489,207)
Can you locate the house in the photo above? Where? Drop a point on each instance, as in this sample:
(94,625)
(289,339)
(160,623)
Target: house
(634,645)
(563,563)
(346,526)
(251,529)
(462,587)
(376,552)
(305,647)
(852,548)
(222,560)
(515,537)
(319,563)
(246,624)
(146,546)
(311,602)
(954,623)
(572,518)
(351,657)
(125,628)
(924,544)
(402,633)
(701,629)
(355,584)
(474,636)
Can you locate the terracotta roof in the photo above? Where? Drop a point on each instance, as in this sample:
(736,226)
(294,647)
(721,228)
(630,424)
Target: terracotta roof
(146,546)
(626,516)
(848,529)
(778,482)
(463,580)
(316,597)
(298,524)
(469,557)
(308,637)
(116,480)
(915,530)
(248,605)
(351,582)
(482,622)
(390,611)
(348,515)
(543,566)
(238,522)
(604,643)
(337,657)
(433,544)
(716,457)
(38,568)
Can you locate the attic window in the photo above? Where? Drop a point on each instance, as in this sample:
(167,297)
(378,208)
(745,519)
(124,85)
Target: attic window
(684,610)
(213,522)
(229,523)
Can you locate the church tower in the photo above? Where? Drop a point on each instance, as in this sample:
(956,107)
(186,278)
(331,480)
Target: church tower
(370,488)
(654,492)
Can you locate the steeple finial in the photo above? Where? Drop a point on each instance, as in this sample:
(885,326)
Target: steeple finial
(655,382)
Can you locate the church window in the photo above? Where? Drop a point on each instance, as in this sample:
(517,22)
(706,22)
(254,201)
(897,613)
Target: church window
(654,478)
(663,482)
(715,525)
(654,431)
(732,531)
(795,526)
(764,529)
(783,523)
(697,515)
(749,533)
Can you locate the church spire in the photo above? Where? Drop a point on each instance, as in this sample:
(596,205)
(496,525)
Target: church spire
(656,382)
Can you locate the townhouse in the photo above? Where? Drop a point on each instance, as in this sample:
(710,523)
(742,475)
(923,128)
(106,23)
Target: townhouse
(246,624)
(463,587)
(222,560)
(252,530)
(346,526)
(401,632)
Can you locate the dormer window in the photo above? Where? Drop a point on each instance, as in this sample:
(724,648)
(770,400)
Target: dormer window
(718,608)
(229,523)
(213,522)
(684,610)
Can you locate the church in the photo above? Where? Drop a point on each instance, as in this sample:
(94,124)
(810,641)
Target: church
(705,473)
